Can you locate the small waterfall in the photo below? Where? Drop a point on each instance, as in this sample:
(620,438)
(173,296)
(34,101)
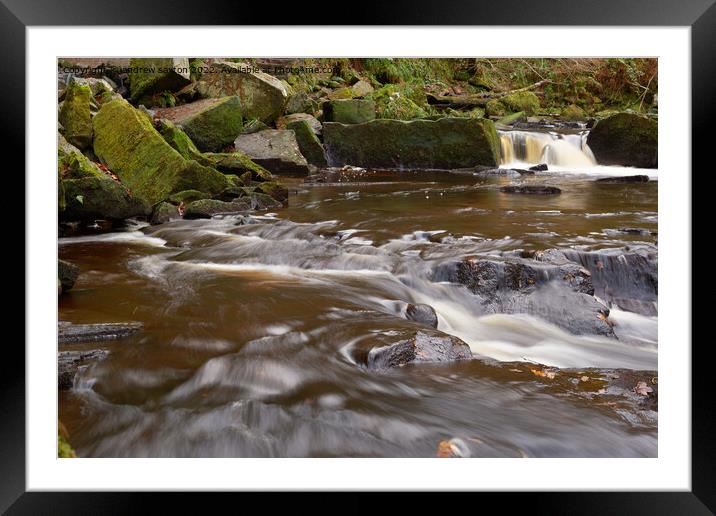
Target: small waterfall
(532,147)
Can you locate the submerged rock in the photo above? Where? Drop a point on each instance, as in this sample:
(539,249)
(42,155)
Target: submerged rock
(164,212)
(68,332)
(150,76)
(127,142)
(424,314)
(447,143)
(624,179)
(276,150)
(625,139)
(75,115)
(207,208)
(275,191)
(558,291)
(261,95)
(531,189)
(67,273)
(212,124)
(423,347)
(349,111)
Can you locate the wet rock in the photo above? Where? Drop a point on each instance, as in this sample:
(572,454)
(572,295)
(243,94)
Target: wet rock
(627,279)
(68,332)
(624,179)
(274,149)
(93,198)
(69,362)
(349,111)
(67,273)
(490,171)
(557,290)
(262,96)
(151,76)
(539,168)
(163,213)
(207,208)
(447,143)
(187,196)
(127,142)
(212,124)
(75,115)
(531,189)
(422,313)
(625,139)
(423,347)
(274,190)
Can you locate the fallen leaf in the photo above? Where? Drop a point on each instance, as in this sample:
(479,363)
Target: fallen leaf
(584,378)
(444,450)
(544,373)
(642,389)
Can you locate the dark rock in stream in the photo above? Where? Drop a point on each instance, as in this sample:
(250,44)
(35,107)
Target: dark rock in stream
(424,314)
(531,189)
(207,208)
(423,347)
(559,291)
(68,332)
(624,179)
(69,362)
(539,168)
(487,171)
(67,273)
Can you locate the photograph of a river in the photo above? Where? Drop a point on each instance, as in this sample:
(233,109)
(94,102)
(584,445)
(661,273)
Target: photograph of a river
(260,329)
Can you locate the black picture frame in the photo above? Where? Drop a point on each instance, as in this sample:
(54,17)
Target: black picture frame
(700,15)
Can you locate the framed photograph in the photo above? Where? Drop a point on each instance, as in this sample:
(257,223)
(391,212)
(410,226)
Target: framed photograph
(359,257)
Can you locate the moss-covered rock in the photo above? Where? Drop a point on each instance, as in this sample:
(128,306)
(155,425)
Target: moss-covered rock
(625,139)
(64,450)
(361,89)
(61,203)
(72,164)
(212,124)
(187,196)
(127,142)
(308,143)
(446,143)
(67,273)
(285,122)
(495,108)
(573,112)
(238,163)
(151,76)
(301,103)
(513,118)
(254,126)
(274,149)
(180,141)
(262,96)
(163,213)
(275,191)
(75,115)
(93,198)
(207,208)
(523,101)
(352,111)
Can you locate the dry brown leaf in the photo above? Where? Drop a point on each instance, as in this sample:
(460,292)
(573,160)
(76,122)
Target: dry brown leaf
(584,378)
(444,450)
(642,389)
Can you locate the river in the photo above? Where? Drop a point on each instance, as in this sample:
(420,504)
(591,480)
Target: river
(255,325)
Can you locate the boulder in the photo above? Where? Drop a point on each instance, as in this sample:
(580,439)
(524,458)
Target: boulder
(512,119)
(72,164)
(531,189)
(624,179)
(69,362)
(75,115)
(285,122)
(212,124)
(573,112)
(424,314)
(447,143)
(362,88)
(91,198)
(164,212)
(522,101)
(275,191)
(625,139)
(207,208)
(127,142)
(349,111)
(262,96)
(554,289)
(274,149)
(422,347)
(301,103)
(151,76)
(67,273)
(187,196)
(308,143)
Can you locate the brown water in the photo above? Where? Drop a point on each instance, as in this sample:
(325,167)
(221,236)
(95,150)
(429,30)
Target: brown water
(254,327)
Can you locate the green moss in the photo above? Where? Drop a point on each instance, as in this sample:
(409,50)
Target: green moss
(186,196)
(573,112)
(130,146)
(61,203)
(151,76)
(512,118)
(64,450)
(308,143)
(72,164)
(215,124)
(238,162)
(350,111)
(92,198)
(625,139)
(523,101)
(495,108)
(75,115)
(275,191)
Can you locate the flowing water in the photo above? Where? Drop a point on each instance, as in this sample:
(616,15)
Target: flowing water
(255,325)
